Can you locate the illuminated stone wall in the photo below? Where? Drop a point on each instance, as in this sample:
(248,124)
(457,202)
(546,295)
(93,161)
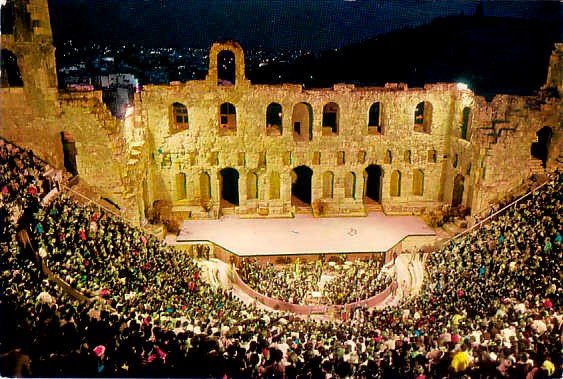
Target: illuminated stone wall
(176,134)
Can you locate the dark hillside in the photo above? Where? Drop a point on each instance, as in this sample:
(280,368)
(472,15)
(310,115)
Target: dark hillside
(491,54)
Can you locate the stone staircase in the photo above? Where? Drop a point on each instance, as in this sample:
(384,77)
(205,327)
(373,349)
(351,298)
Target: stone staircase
(303,209)
(372,206)
(228,211)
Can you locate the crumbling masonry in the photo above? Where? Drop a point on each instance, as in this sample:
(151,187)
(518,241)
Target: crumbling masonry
(225,145)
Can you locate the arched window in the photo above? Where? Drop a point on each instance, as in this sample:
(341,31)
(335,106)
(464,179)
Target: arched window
(423,117)
(388,157)
(417,182)
(178,118)
(180,186)
(328,184)
(274,120)
(227,119)
(330,119)
(395,183)
(350,185)
(226,68)
(407,156)
(204,186)
(432,156)
(374,119)
(10,75)
(465,122)
(302,121)
(274,186)
(252,186)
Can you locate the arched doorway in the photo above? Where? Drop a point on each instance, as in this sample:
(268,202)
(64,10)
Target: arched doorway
(69,152)
(540,149)
(301,185)
(229,187)
(372,190)
(457,195)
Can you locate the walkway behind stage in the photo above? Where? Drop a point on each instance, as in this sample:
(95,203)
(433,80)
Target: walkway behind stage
(305,234)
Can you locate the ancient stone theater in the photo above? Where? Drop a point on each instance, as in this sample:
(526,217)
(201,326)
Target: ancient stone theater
(224,145)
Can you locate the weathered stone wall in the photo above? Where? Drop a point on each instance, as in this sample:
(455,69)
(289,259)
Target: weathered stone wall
(506,129)
(35,114)
(189,151)
(147,163)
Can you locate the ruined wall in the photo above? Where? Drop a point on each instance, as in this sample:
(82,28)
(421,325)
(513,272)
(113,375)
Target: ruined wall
(191,151)
(34,114)
(506,130)
(463,151)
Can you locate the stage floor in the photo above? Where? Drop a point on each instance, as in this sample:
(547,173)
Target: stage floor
(304,234)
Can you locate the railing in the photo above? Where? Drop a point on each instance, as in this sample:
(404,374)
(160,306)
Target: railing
(480,223)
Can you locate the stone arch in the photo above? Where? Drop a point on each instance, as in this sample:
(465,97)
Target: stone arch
(432,156)
(69,152)
(301,184)
(274,185)
(388,159)
(395,189)
(350,185)
(540,148)
(10,71)
(274,120)
(465,122)
(328,185)
(227,119)
(418,182)
(226,68)
(223,79)
(457,194)
(331,115)
(302,121)
(252,186)
(204,187)
(373,177)
(178,117)
(229,187)
(374,119)
(423,117)
(181,186)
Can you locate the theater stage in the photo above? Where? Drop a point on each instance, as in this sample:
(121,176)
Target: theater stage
(304,234)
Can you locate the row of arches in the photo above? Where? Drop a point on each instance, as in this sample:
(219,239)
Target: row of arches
(302,119)
(301,185)
(226,76)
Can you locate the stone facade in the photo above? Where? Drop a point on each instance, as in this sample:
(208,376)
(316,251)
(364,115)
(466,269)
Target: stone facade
(225,145)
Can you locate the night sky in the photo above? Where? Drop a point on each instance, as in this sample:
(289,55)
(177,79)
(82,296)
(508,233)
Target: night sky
(275,24)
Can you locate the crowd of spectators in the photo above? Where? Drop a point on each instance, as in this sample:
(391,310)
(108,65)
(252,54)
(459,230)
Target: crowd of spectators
(490,306)
(297,282)
(291,282)
(363,279)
